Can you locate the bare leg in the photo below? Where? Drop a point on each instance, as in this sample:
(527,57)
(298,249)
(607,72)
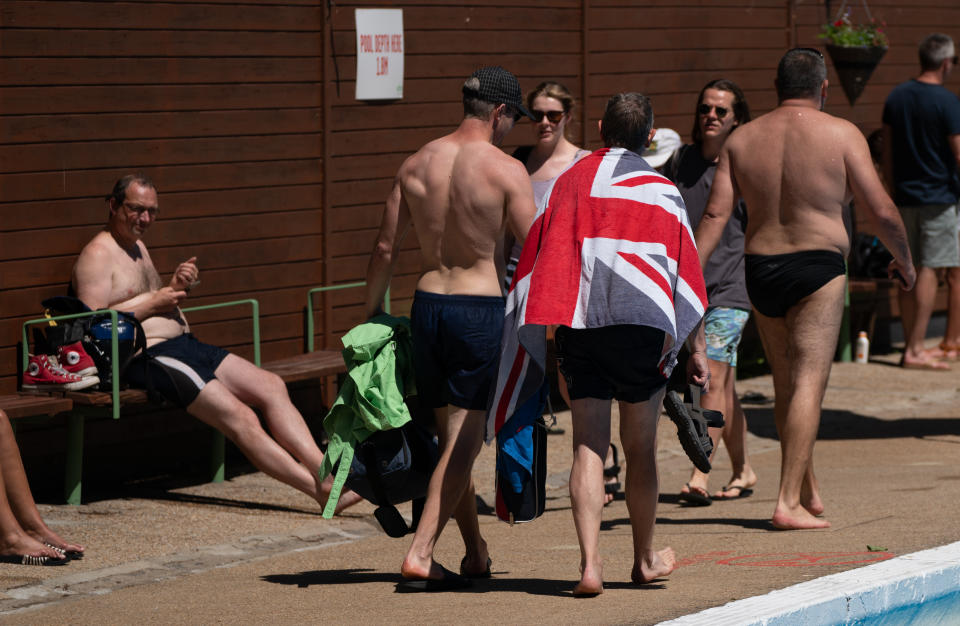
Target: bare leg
(917,307)
(450,492)
(715,400)
(18,495)
(291,437)
(638,433)
(14,539)
(800,348)
(951,337)
(591,439)
(735,439)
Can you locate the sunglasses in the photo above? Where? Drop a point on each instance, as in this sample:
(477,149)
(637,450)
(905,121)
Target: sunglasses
(704,109)
(553,116)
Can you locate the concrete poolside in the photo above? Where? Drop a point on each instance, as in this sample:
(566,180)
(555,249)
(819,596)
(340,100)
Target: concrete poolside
(251,550)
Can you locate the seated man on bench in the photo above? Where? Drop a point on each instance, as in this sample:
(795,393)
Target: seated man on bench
(115,271)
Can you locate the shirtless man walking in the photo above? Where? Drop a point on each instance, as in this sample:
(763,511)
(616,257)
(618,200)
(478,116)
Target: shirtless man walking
(115,271)
(795,244)
(461,193)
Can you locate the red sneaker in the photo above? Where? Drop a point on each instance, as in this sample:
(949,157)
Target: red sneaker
(75,360)
(45,374)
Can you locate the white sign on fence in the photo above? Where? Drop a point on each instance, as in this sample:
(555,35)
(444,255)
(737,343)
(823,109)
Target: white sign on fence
(379,54)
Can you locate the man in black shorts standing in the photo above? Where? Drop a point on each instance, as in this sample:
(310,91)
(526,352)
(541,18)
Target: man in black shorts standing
(611,260)
(795,168)
(460,193)
(115,271)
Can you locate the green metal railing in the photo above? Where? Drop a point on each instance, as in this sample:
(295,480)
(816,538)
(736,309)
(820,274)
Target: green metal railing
(114,355)
(315,290)
(254,313)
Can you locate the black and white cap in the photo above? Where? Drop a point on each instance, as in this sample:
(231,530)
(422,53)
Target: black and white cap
(498,86)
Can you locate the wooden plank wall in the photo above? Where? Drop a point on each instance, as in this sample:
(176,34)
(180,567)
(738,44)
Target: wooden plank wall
(370,140)
(219,102)
(223,103)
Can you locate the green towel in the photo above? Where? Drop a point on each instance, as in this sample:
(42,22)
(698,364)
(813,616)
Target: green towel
(379,359)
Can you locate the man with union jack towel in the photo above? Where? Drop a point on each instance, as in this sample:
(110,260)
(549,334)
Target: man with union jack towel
(611,259)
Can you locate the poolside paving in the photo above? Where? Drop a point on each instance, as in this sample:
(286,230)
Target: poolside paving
(253,551)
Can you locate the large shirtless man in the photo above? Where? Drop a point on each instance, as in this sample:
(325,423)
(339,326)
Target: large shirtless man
(461,193)
(115,271)
(812,164)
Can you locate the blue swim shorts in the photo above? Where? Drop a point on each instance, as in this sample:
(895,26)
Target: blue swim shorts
(178,369)
(456,348)
(723,327)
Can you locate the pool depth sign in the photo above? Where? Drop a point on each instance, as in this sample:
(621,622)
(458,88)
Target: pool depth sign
(379,54)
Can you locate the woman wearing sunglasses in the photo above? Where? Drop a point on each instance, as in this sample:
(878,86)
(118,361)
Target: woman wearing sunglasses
(551,105)
(721,108)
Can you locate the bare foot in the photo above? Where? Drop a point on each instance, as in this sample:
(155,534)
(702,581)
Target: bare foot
(813,504)
(23,544)
(591,581)
(50,538)
(736,485)
(654,565)
(421,570)
(810,497)
(476,563)
(796,519)
(695,493)
(923,362)
(347,499)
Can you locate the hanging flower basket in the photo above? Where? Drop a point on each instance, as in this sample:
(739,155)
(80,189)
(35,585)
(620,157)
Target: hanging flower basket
(855,49)
(854,67)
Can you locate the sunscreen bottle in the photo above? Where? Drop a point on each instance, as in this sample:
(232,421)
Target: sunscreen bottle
(862,349)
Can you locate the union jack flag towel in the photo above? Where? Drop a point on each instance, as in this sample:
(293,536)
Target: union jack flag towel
(611,245)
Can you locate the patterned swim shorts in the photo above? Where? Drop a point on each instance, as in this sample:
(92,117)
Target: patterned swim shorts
(723,328)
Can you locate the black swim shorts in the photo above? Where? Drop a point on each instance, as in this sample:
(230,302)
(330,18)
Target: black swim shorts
(178,369)
(456,348)
(619,361)
(776,282)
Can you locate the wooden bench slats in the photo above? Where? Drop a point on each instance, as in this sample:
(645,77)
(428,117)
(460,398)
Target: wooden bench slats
(307,366)
(25,405)
(103,398)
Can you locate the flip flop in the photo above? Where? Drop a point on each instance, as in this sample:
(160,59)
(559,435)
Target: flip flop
(612,472)
(694,498)
(742,492)
(692,423)
(485,574)
(27,559)
(449,582)
(70,554)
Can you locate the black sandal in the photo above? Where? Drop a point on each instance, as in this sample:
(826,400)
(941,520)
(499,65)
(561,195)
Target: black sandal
(692,422)
(612,472)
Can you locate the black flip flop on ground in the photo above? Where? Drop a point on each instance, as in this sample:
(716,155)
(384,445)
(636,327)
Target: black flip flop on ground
(691,430)
(449,582)
(26,559)
(694,498)
(742,492)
